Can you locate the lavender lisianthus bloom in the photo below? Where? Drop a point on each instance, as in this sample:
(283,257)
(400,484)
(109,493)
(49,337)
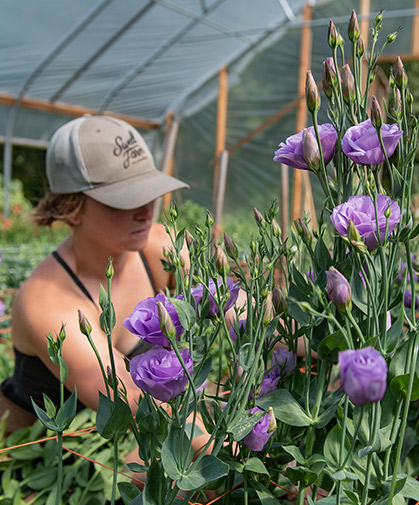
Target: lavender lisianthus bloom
(144,320)
(285,361)
(242,328)
(269,383)
(159,372)
(407,299)
(338,288)
(2,308)
(310,275)
(361,211)
(260,434)
(363,375)
(291,152)
(361,144)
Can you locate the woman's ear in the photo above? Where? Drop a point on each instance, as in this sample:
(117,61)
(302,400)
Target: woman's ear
(75,218)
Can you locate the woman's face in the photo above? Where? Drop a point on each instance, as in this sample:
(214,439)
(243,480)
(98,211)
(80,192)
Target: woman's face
(116,229)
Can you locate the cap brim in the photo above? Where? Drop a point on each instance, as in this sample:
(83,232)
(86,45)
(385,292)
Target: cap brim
(137,191)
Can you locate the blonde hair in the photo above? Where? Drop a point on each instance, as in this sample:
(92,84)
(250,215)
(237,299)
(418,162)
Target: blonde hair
(58,207)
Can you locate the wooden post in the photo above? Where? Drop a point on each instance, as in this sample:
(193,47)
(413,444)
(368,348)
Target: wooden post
(220,140)
(166,165)
(219,197)
(300,176)
(364,8)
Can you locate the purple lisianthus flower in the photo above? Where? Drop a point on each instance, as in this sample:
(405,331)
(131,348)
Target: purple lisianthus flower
(257,438)
(144,320)
(198,293)
(363,375)
(159,372)
(407,299)
(2,308)
(291,152)
(242,328)
(361,211)
(361,144)
(285,361)
(269,383)
(310,275)
(338,288)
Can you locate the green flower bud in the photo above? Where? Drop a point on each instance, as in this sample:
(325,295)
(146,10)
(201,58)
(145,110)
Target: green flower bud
(302,230)
(348,84)
(209,221)
(260,220)
(391,82)
(376,118)
(379,20)
(165,322)
(109,270)
(399,72)
(277,232)
(279,301)
(268,309)
(353,28)
(230,246)
(360,50)
(220,260)
(85,326)
(272,423)
(311,153)
(391,37)
(352,232)
(341,41)
(332,35)
(312,94)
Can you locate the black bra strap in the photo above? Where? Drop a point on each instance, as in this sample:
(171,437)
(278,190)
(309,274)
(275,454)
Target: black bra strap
(147,267)
(70,272)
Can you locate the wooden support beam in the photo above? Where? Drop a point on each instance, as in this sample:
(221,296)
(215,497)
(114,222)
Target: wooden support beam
(219,198)
(301,178)
(167,163)
(73,110)
(364,11)
(220,139)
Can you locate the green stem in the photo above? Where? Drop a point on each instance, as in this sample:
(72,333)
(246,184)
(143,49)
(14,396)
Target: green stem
(373,435)
(355,325)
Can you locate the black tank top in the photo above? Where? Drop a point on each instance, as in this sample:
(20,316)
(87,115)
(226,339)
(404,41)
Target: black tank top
(31,378)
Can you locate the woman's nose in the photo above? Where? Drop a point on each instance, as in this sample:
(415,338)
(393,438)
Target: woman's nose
(144,212)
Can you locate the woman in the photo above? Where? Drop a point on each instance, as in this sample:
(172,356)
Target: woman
(103,184)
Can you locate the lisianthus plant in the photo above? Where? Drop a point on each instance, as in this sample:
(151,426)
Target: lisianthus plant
(298,363)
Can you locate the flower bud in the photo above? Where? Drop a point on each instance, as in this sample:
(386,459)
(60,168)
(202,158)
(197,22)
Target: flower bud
(387,212)
(341,41)
(348,84)
(353,28)
(376,118)
(272,423)
(397,106)
(276,229)
(268,309)
(379,20)
(109,269)
(352,233)
(260,220)
(220,260)
(360,50)
(209,221)
(166,322)
(391,82)
(230,246)
(311,153)
(359,246)
(391,37)
(338,289)
(85,326)
(399,72)
(328,91)
(190,239)
(278,300)
(332,35)
(173,213)
(302,230)
(312,94)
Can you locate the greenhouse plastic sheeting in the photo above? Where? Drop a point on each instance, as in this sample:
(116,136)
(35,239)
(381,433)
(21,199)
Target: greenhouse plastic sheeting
(147,58)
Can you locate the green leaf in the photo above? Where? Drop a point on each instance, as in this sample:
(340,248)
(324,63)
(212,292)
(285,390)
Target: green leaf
(67,412)
(42,478)
(186,313)
(63,369)
(322,258)
(208,469)
(294,297)
(401,382)
(285,407)
(301,474)
(113,418)
(136,467)
(332,445)
(295,453)
(180,239)
(176,453)
(264,495)
(203,372)
(394,334)
(359,293)
(129,492)
(244,424)
(103,298)
(331,345)
(246,356)
(414,233)
(44,417)
(255,465)
(50,407)
(52,349)
(329,413)
(155,485)
(201,346)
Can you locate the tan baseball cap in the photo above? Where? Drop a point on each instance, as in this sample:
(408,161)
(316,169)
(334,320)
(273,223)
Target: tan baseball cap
(108,160)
